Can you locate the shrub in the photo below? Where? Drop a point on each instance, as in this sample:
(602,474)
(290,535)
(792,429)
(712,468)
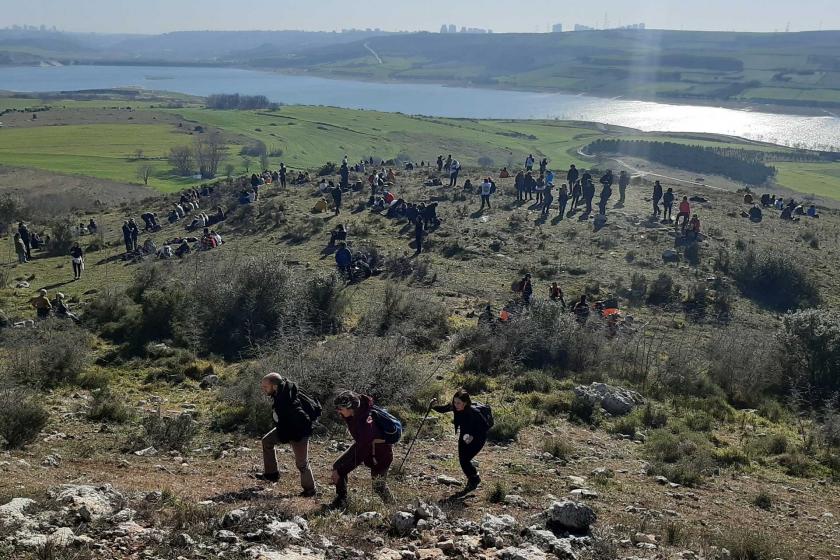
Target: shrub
(533,381)
(653,417)
(809,351)
(763,500)
(506,427)
(108,408)
(638,288)
(379,367)
(749,543)
(754,374)
(775,280)
(329,168)
(625,425)
(61,240)
(557,448)
(497,493)
(422,321)
(692,253)
(21,417)
(56,352)
(582,410)
(730,456)
(682,457)
(474,384)
(168,433)
(662,291)
(485,161)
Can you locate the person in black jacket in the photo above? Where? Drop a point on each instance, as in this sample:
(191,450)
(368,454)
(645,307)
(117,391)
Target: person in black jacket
(293,425)
(473,433)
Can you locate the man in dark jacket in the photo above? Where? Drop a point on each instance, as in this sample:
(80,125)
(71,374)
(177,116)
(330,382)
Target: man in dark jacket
(293,425)
(473,433)
(336,196)
(369,447)
(418,235)
(25,237)
(588,192)
(572,175)
(623,182)
(343,259)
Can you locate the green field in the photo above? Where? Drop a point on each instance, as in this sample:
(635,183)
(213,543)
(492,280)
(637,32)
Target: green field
(309,136)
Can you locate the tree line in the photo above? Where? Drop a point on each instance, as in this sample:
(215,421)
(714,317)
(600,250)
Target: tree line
(241,102)
(740,165)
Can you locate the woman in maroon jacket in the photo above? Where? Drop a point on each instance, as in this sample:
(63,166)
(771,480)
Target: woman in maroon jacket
(369,447)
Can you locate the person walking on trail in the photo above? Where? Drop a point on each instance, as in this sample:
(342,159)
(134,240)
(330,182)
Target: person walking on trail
(667,205)
(294,413)
(77,256)
(336,196)
(572,175)
(454,169)
(684,213)
(42,304)
(418,235)
(623,182)
(563,200)
(486,191)
(588,192)
(657,196)
(548,198)
(369,447)
(20,249)
(472,422)
(606,192)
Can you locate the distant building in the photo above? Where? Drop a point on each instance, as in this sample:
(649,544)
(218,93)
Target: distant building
(444,28)
(579,27)
(452,28)
(557,28)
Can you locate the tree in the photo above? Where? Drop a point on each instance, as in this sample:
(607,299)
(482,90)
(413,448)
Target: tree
(139,154)
(229,169)
(209,151)
(246,162)
(144,171)
(264,162)
(181,158)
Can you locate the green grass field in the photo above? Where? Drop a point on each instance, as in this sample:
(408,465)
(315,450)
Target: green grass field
(309,136)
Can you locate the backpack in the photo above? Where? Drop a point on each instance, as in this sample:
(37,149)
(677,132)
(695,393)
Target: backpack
(486,413)
(388,423)
(310,405)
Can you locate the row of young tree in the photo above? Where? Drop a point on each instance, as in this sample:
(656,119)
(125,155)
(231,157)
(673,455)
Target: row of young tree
(740,165)
(203,156)
(241,102)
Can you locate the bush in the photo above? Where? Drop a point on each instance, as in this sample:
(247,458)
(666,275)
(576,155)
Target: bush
(497,493)
(582,410)
(21,417)
(775,280)
(682,457)
(422,321)
(763,500)
(755,371)
(379,367)
(662,291)
(168,433)
(329,168)
(108,408)
(61,240)
(54,353)
(638,288)
(557,448)
(506,427)
(749,543)
(533,381)
(809,352)
(474,384)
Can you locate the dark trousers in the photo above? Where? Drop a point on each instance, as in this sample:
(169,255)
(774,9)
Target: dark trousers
(129,245)
(602,206)
(453,179)
(575,202)
(666,215)
(467,452)
(485,198)
(283,181)
(418,241)
(655,206)
(378,462)
(77,270)
(588,205)
(539,196)
(684,216)
(621,191)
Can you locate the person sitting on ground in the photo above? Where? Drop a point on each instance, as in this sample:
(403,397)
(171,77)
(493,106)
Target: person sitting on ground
(581,309)
(173,216)
(183,249)
(60,308)
(504,173)
(755,214)
(388,197)
(41,304)
(208,241)
(812,211)
(694,226)
(748,198)
(217,237)
(149,247)
(391,177)
(555,293)
(378,204)
(780,203)
(292,425)
(472,427)
(765,200)
(338,234)
(320,206)
(35,240)
(165,252)
(468,186)
(684,213)
(368,448)
(787,213)
(343,258)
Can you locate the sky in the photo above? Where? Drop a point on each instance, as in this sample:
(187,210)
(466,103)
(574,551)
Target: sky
(158,16)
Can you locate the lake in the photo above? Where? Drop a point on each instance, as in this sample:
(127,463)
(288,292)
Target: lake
(820,132)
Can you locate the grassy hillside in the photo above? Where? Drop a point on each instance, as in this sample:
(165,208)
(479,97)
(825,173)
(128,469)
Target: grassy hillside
(98,138)
(746,467)
(797,69)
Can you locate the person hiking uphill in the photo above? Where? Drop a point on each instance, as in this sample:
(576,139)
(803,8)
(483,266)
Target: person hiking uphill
(369,447)
(472,422)
(294,413)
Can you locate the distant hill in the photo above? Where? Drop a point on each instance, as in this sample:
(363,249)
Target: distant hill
(783,68)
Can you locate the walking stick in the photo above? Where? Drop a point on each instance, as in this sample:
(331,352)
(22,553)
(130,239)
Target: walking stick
(420,427)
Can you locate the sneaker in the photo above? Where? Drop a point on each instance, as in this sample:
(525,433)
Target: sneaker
(268,477)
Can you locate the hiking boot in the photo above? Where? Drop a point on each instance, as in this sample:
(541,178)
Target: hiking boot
(268,477)
(382,490)
(472,483)
(311,493)
(339,503)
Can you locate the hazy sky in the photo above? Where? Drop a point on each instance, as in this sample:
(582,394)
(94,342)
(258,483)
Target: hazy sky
(155,16)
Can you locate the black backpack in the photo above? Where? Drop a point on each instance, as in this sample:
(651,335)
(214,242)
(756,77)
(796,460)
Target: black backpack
(310,405)
(486,413)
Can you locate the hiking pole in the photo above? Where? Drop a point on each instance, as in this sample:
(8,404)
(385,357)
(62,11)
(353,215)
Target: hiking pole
(420,427)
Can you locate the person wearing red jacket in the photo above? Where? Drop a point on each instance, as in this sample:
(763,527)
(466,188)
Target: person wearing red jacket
(369,447)
(685,214)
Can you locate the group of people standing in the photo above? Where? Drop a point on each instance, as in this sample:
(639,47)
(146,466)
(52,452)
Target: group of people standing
(373,430)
